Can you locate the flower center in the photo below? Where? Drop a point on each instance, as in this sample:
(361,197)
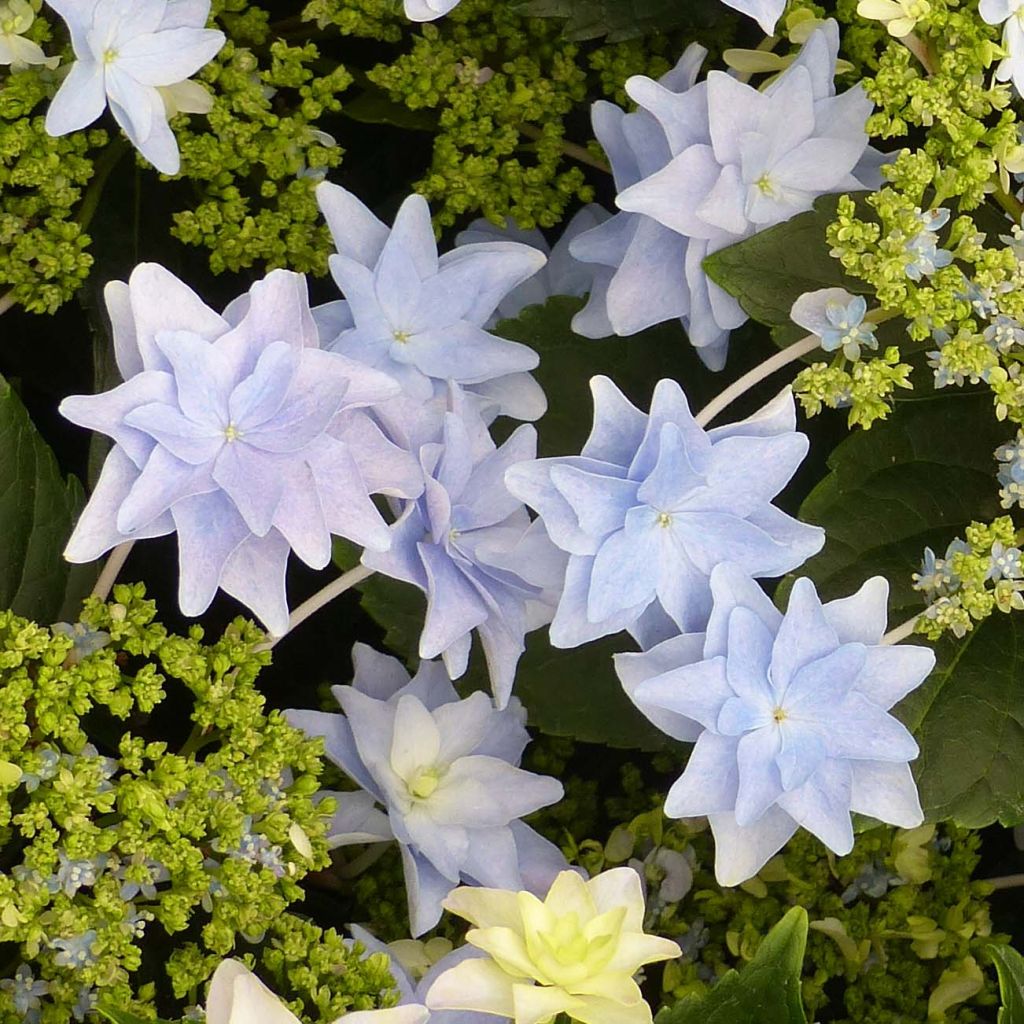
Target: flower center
(422,785)
(779,714)
(664,519)
(765,186)
(401,336)
(232,433)
(109,55)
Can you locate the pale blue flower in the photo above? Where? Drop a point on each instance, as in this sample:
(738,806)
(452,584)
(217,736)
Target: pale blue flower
(418,316)
(790,713)
(239,434)
(1004,563)
(744,159)
(636,280)
(75,951)
(1004,333)
(127,51)
(561,275)
(1011,471)
(765,12)
(837,317)
(86,1002)
(923,254)
(356,820)
(468,543)
(413,985)
(73,875)
(654,502)
(86,641)
(446,771)
(26,992)
(49,761)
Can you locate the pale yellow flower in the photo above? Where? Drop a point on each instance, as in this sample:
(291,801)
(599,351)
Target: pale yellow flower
(899,16)
(576,952)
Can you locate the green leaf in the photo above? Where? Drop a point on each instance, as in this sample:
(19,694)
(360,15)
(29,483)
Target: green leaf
(765,991)
(1010,967)
(37,512)
(375,107)
(769,271)
(626,19)
(919,479)
(124,1017)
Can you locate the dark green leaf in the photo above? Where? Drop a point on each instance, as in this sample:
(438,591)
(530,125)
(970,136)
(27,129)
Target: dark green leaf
(124,1017)
(375,107)
(765,991)
(626,19)
(37,511)
(769,271)
(919,479)
(1010,967)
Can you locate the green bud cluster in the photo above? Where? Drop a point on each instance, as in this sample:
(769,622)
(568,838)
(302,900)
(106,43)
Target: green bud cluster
(122,833)
(44,254)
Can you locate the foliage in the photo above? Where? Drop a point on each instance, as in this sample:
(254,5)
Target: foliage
(1010,966)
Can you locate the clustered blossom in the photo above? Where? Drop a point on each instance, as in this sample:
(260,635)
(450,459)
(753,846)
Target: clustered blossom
(127,52)
(790,713)
(724,160)
(232,431)
(1011,472)
(446,771)
(420,317)
(16,17)
(654,502)
(576,952)
(468,543)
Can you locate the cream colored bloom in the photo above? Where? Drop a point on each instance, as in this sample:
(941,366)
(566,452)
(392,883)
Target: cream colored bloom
(575,953)
(899,16)
(16,17)
(237,996)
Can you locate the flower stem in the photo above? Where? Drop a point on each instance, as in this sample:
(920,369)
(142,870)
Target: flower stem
(115,563)
(919,48)
(902,631)
(106,162)
(740,387)
(6,301)
(1005,881)
(1010,203)
(577,152)
(319,599)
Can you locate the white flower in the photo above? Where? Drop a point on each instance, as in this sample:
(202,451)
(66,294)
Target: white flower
(898,16)
(765,12)
(428,10)
(136,55)
(237,996)
(1009,13)
(16,17)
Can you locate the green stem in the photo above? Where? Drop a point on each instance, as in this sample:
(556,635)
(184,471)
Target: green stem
(570,149)
(6,301)
(1005,882)
(1010,203)
(197,739)
(356,866)
(107,161)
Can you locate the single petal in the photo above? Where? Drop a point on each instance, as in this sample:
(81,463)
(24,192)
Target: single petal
(710,783)
(740,852)
(886,791)
(81,99)
(479,985)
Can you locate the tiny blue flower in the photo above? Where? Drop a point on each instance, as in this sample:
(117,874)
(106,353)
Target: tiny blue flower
(447,772)
(923,255)
(1004,563)
(1011,471)
(49,761)
(790,713)
(86,1002)
(86,641)
(73,875)
(26,992)
(75,951)
(837,317)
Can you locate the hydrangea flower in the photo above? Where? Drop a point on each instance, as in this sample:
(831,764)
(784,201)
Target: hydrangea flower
(237,996)
(26,992)
(636,280)
(357,820)
(238,433)
(446,771)
(790,713)
(468,543)
(653,503)
(126,50)
(419,316)
(744,159)
(765,12)
(576,952)
(561,275)
(16,17)
(923,254)
(1011,471)
(837,317)
(428,10)
(415,965)
(75,951)
(898,16)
